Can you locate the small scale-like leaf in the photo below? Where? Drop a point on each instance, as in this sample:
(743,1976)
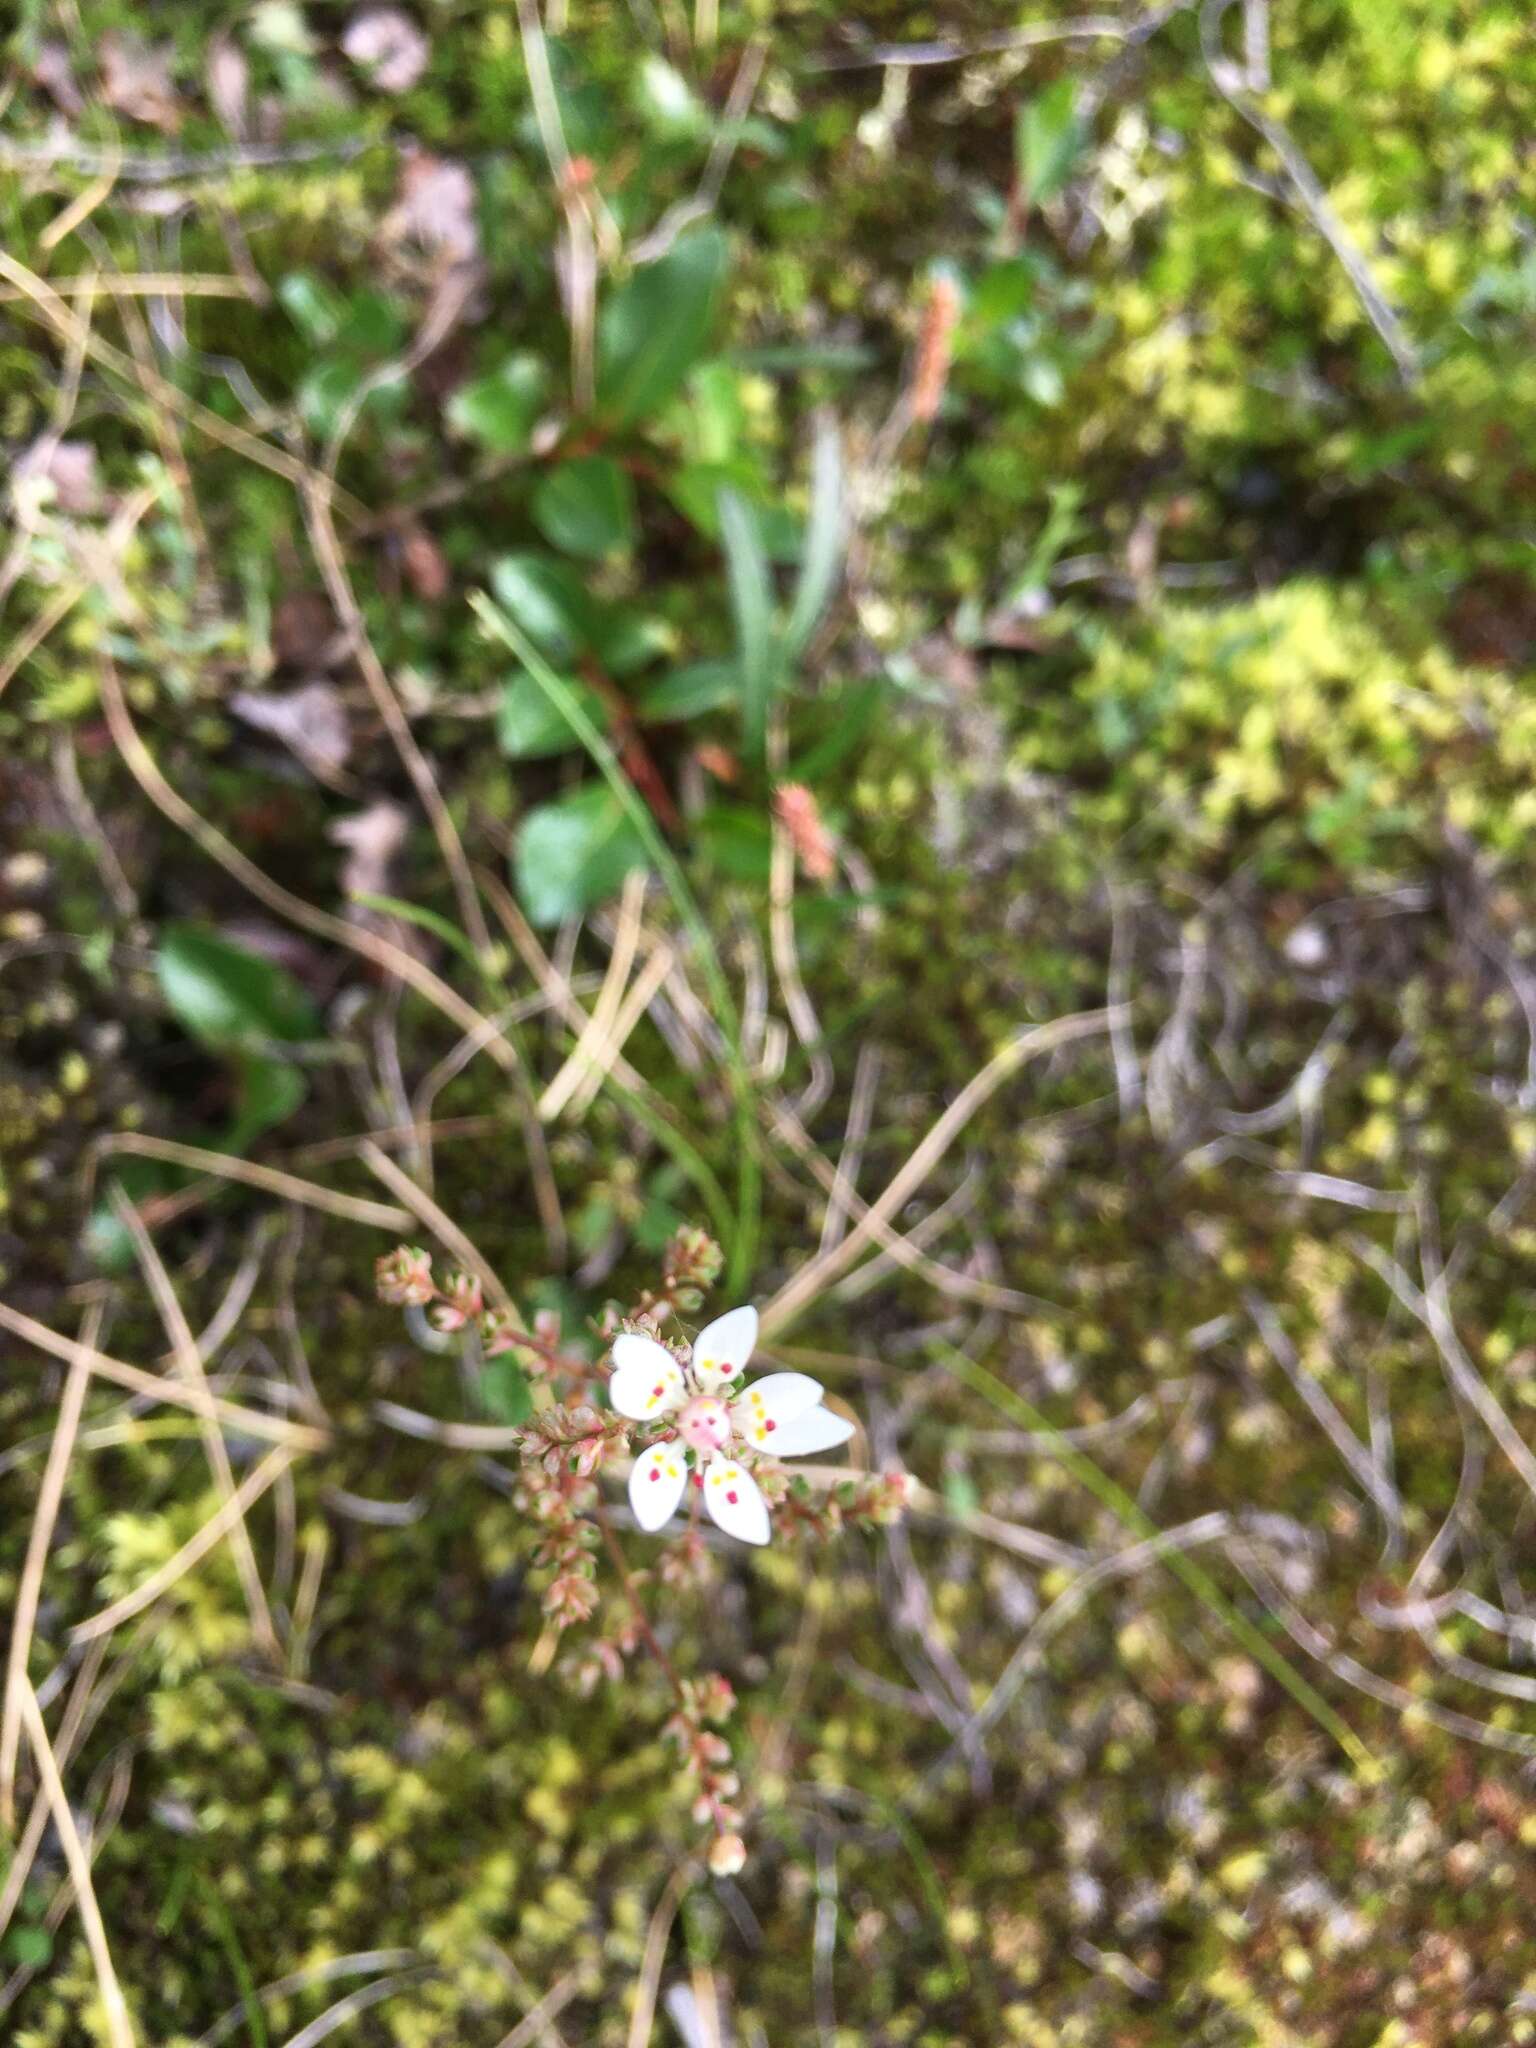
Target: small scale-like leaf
(574,853)
(586,506)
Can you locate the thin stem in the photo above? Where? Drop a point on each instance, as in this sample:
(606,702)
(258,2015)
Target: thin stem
(637,1608)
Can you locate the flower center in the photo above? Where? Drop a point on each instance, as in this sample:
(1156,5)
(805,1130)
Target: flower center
(705,1423)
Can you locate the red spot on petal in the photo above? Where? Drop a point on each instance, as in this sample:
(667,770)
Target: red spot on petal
(770,1425)
(655,1471)
(731,1497)
(698,1478)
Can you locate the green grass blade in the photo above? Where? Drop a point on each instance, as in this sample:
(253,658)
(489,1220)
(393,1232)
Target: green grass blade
(742,1251)
(822,554)
(751,588)
(1194,1576)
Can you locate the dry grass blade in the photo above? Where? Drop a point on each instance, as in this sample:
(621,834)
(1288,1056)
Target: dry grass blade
(190,1365)
(45,304)
(317,495)
(191,1553)
(537,2023)
(119,2029)
(370,945)
(812,1279)
(69,594)
(438,1221)
(358,1965)
(50,1494)
(270,1179)
(643,2016)
(355,2002)
(298,1436)
(602,1058)
(626,939)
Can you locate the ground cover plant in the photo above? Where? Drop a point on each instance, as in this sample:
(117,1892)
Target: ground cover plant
(717,716)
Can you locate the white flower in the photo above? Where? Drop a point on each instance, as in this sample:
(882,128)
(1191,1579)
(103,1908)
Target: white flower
(780,1415)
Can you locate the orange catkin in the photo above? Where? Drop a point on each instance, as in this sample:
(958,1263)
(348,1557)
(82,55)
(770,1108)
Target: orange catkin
(935,346)
(799,814)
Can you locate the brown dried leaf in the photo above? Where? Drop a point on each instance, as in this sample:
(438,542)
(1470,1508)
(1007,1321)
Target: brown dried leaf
(136,80)
(372,838)
(70,466)
(229,79)
(387,46)
(303,629)
(311,722)
(436,207)
(424,564)
(52,70)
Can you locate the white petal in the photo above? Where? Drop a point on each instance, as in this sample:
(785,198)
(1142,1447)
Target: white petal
(731,1495)
(817,1430)
(768,1405)
(646,1380)
(723,1347)
(656,1484)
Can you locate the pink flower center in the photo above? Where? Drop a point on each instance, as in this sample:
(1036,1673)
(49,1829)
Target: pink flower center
(705,1424)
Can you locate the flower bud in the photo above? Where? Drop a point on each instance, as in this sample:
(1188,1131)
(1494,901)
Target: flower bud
(727,1855)
(404,1277)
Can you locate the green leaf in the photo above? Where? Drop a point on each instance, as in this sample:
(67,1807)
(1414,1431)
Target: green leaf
(330,388)
(655,327)
(736,841)
(695,491)
(687,692)
(500,411)
(823,538)
(666,102)
(270,1091)
(29,1948)
(530,728)
(227,997)
(752,607)
(574,853)
(850,712)
(1048,139)
(547,599)
(504,1390)
(586,506)
(313,307)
